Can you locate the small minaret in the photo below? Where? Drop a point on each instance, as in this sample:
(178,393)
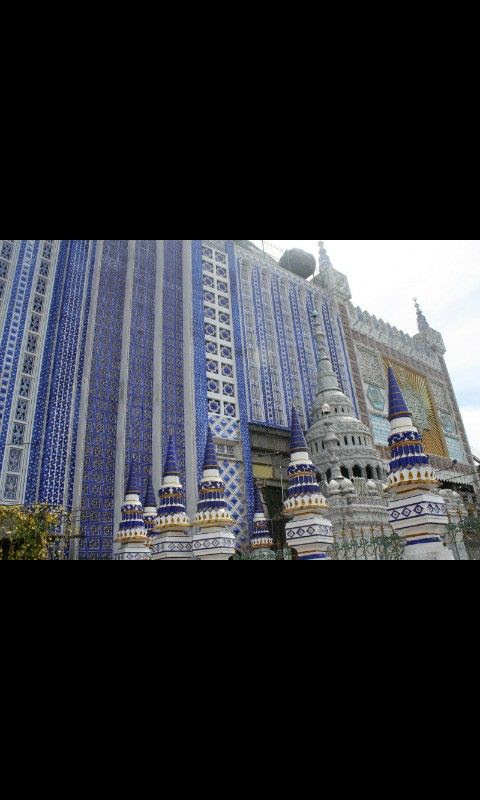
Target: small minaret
(421,318)
(308,532)
(132,537)
(213,540)
(171,538)
(427,336)
(149,507)
(417,513)
(261,541)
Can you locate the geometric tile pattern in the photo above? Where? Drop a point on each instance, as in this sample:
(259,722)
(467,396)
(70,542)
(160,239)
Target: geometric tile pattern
(278,343)
(22,346)
(439,392)
(455,450)
(101,423)
(140,378)
(218,331)
(11,341)
(224,428)
(233,474)
(381,429)
(416,510)
(242,379)
(371,367)
(63,360)
(173,408)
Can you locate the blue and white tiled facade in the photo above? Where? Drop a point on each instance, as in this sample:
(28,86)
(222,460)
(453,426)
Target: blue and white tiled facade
(86,328)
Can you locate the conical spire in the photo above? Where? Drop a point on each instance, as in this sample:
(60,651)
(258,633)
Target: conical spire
(397,405)
(211,459)
(212,505)
(261,538)
(171,463)
(133,485)
(171,512)
(297,441)
(409,462)
(327,381)
(303,489)
(150,501)
(258,501)
(132,530)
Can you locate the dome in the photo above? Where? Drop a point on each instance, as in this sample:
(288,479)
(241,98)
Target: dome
(299,262)
(347,487)
(333,488)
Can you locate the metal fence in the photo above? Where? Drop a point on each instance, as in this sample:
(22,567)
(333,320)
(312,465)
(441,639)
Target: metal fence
(367,546)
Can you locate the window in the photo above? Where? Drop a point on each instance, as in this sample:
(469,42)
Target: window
(11,486)
(35,323)
(22,408)
(41,286)
(38,304)
(28,364)
(32,343)
(25,387)
(14,460)
(18,435)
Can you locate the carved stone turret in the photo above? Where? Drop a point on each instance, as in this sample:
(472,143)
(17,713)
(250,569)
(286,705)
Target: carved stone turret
(357,454)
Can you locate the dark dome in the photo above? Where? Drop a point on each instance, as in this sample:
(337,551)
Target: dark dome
(299,262)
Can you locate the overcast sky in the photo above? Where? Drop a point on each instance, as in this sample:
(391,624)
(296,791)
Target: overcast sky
(385,276)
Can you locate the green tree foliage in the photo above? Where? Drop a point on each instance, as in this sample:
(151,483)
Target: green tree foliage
(31,533)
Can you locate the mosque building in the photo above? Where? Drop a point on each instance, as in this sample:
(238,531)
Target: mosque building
(193,399)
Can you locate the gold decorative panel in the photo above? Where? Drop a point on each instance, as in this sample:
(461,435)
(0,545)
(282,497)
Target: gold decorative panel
(419,400)
(262,471)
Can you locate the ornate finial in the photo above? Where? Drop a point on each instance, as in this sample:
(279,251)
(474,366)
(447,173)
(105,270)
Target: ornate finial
(319,334)
(421,318)
(323,258)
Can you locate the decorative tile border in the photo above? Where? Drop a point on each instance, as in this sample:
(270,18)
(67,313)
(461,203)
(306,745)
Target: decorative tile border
(101,430)
(140,376)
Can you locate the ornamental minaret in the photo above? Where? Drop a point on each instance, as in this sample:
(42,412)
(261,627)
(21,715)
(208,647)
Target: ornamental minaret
(357,455)
(261,541)
(417,513)
(171,538)
(213,540)
(132,537)
(308,532)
